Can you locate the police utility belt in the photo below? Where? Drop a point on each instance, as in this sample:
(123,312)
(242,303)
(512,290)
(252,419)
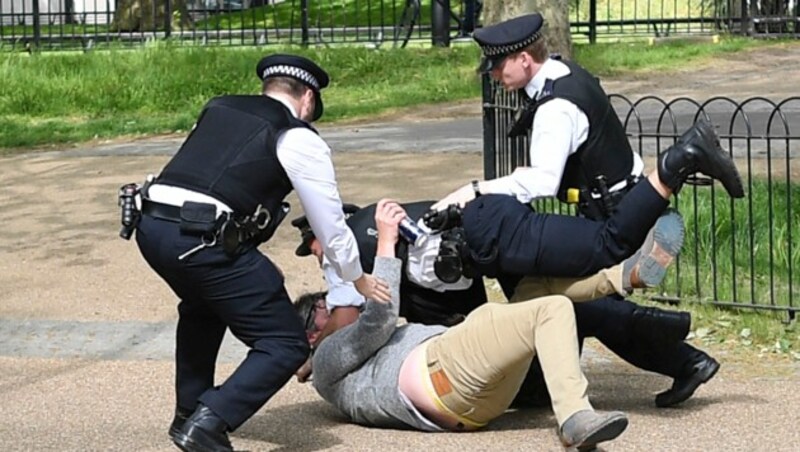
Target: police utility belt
(236,233)
(598,202)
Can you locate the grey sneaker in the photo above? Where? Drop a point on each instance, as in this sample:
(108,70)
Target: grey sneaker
(587,428)
(648,266)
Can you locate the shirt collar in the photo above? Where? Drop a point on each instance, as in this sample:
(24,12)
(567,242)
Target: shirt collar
(551,69)
(280,97)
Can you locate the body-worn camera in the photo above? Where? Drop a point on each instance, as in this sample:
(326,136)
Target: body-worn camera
(130,214)
(453,260)
(441,220)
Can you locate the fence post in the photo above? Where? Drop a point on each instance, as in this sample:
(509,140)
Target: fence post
(746,26)
(304,22)
(489,144)
(440,23)
(167,18)
(593,21)
(469,17)
(37,24)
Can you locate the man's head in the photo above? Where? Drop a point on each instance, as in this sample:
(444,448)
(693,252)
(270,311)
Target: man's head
(513,51)
(296,76)
(314,313)
(308,241)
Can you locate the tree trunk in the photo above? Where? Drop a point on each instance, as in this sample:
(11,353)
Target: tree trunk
(555,13)
(150,15)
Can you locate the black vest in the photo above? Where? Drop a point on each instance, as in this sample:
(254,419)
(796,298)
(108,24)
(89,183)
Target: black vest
(606,151)
(232,153)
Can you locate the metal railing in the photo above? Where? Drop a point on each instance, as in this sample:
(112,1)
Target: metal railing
(84,24)
(743,253)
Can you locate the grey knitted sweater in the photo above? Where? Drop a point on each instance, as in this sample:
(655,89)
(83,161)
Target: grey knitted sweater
(357,368)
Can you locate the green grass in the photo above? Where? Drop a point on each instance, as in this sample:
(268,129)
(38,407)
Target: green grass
(722,261)
(65,97)
(59,98)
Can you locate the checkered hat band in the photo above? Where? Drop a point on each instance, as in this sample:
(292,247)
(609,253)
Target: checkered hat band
(490,50)
(291,71)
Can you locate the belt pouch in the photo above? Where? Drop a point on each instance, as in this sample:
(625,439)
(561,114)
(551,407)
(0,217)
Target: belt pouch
(198,218)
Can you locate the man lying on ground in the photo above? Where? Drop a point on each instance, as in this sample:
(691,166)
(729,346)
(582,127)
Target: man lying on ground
(432,378)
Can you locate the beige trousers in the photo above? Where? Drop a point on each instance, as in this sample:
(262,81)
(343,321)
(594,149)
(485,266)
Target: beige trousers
(606,282)
(478,366)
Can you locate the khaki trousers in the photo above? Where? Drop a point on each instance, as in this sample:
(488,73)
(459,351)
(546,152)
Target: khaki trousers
(606,282)
(478,366)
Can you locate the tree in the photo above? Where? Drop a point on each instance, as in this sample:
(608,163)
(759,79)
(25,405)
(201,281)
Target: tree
(555,13)
(150,15)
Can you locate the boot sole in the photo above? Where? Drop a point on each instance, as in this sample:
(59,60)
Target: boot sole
(605,432)
(667,241)
(186,444)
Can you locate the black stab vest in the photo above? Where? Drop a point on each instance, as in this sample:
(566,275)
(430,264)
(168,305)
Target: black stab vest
(231,154)
(606,151)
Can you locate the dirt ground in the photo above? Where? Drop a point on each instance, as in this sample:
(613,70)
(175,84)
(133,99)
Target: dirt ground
(63,261)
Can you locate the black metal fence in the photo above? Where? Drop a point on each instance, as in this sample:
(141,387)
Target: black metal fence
(69,24)
(743,253)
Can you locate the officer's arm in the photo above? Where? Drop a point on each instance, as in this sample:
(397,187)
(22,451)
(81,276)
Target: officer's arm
(559,129)
(306,158)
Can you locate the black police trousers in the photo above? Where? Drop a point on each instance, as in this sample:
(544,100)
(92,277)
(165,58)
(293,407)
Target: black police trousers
(610,320)
(506,237)
(244,293)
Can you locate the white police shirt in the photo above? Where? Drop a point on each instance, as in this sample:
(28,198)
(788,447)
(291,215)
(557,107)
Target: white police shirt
(340,293)
(559,129)
(306,158)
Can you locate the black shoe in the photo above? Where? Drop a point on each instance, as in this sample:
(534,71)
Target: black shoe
(698,151)
(204,431)
(660,327)
(181,414)
(683,387)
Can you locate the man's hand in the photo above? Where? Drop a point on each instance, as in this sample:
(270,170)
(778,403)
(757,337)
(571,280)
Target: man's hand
(461,197)
(388,215)
(303,374)
(373,288)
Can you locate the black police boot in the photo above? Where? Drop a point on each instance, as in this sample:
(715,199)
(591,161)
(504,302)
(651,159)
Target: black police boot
(181,414)
(699,372)
(662,327)
(204,431)
(698,151)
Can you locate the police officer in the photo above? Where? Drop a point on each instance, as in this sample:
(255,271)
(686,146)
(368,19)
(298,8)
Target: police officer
(614,326)
(578,152)
(219,197)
